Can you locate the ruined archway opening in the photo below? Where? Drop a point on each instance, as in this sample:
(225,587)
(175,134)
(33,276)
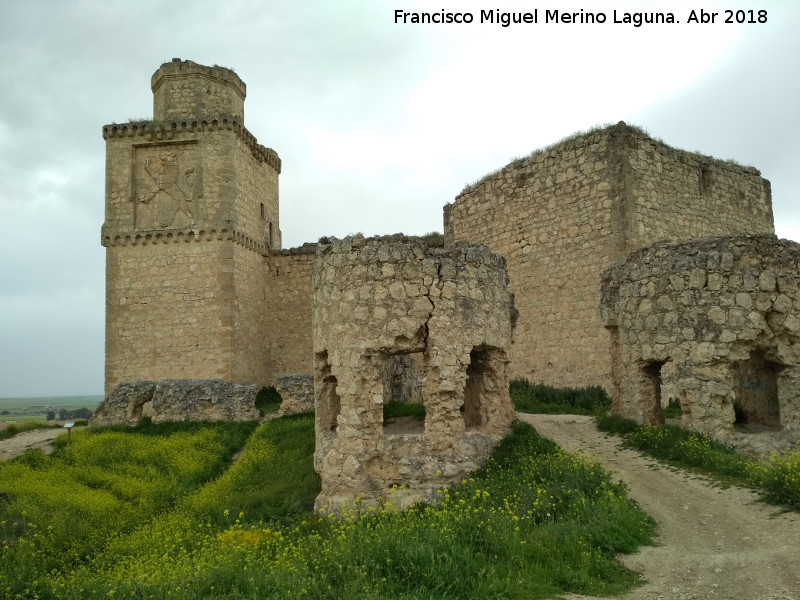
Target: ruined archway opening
(141,410)
(402,376)
(652,392)
(481,380)
(328,405)
(755,384)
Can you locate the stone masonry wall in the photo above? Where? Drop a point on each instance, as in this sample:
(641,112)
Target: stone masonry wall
(562,215)
(714,322)
(167,311)
(551,217)
(171,400)
(682,195)
(182,88)
(385,296)
(288,313)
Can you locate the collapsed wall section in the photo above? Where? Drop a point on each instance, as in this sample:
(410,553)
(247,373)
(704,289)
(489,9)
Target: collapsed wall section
(377,298)
(713,322)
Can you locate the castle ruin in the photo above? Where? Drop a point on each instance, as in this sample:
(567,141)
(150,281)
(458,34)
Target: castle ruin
(198,285)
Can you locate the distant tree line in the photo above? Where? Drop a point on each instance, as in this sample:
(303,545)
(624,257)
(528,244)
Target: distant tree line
(65,415)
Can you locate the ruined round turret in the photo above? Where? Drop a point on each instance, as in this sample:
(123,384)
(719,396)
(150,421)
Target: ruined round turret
(383,297)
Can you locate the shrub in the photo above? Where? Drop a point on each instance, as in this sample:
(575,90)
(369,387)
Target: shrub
(611,423)
(537,398)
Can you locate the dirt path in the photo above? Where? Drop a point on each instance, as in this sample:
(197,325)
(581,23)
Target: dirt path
(36,438)
(713,543)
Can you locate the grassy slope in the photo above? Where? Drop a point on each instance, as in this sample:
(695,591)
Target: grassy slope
(535,522)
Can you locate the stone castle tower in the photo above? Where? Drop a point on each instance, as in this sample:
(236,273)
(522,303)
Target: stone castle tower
(191,217)
(562,215)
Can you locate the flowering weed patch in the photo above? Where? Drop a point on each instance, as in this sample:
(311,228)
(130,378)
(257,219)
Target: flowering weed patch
(534,522)
(61,510)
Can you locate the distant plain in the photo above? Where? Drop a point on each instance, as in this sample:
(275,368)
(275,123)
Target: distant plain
(35,409)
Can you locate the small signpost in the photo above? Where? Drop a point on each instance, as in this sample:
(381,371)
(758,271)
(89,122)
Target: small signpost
(68,427)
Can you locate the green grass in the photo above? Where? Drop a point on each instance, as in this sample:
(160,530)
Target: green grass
(673,410)
(268,400)
(543,399)
(533,523)
(777,481)
(396,408)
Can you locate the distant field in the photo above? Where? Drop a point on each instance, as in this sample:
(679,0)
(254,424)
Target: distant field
(35,409)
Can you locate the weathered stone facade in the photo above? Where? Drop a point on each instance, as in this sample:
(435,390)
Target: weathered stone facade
(381,297)
(177,400)
(713,322)
(197,284)
(562,215)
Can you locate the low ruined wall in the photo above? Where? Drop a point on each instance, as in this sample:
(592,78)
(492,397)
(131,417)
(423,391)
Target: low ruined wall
(713,322)
(296,391)
(177,400)
(382,297)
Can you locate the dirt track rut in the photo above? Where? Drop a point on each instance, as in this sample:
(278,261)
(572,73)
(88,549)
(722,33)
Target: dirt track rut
(712,543)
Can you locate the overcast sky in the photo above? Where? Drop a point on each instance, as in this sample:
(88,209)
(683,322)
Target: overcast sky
(378,124)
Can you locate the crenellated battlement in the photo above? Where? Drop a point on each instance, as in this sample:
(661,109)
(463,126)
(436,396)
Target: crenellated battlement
(185,236)
(184,89)
(154,131)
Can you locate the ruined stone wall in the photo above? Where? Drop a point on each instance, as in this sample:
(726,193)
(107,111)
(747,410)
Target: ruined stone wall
(288,311)
(385,296)
(171,400)
(550,216)
(564,214)
(714,322)
(682,195)
(183,89)
(167,311)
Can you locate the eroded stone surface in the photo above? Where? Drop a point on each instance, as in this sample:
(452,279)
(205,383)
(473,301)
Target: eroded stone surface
(125,404)
(383,297)
(297,392)
(178,400)
(713,322)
